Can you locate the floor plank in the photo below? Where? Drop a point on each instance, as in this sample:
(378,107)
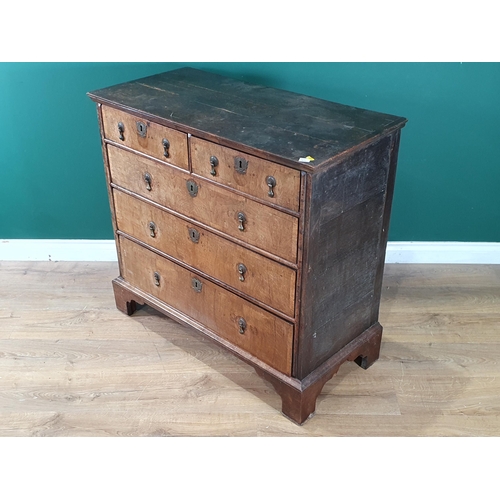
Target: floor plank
(72,365)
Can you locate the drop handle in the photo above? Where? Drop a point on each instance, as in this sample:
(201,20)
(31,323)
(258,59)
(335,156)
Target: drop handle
(271,184)
(241,220)
(214,161)
(156,277)
(121,130)
(147,180)
(242,270)
(166,147)
(152,229)
(243,325)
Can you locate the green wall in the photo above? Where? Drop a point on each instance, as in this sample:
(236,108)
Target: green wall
(52,179)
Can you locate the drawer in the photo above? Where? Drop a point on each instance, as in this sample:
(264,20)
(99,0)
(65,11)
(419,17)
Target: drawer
(259,225)
(246,173)
(146,137)
(262,278)
(240,322)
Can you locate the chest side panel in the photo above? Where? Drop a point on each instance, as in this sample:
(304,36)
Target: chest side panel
(343,246)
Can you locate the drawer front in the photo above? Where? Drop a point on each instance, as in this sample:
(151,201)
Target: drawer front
(262,278)
(244,219)
(245,325)
(251,175)
(146,137)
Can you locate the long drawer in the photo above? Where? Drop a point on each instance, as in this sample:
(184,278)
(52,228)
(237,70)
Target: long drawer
(240,322)
(251,273)
(259,225)
(147,137)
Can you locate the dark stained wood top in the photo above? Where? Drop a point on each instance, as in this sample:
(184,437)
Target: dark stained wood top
(274,124)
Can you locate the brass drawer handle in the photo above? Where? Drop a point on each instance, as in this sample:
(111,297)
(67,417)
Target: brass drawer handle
(242,270)
(214,161)
(166,146)
(241,219)
(152,229)
(156,277)
(271,184)
(147,180)
(121,130)
(243,325)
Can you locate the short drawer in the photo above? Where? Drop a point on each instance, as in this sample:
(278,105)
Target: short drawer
(246,173)
(246,220)
(161,142)
(240,322)
(251,273)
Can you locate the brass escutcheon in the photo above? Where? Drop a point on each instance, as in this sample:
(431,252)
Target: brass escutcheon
(141,128)
(197,285)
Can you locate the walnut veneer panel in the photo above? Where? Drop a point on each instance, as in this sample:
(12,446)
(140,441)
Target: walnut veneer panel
(284,187)
(266,336)
(264,227)
(266,280)
(152,142)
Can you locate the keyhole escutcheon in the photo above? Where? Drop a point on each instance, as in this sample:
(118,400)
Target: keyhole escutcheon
(240,165)
(192,188)
(197,285)
(141,128)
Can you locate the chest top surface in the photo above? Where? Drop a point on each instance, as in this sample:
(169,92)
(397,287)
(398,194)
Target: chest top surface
(280,125)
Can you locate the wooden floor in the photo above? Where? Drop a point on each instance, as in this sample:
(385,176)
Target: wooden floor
(73,365)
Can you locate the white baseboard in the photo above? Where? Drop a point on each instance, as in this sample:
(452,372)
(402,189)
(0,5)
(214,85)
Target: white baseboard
(442,252)
(404,252)
(57,250)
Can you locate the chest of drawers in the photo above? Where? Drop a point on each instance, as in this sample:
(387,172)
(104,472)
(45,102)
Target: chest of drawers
(258,217)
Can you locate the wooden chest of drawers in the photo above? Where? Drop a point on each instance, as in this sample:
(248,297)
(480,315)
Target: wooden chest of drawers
(257,216)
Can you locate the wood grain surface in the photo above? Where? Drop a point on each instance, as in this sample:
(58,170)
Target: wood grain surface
(264,279)
(152,142)
(342,240)
(71,364)
(253,181)
(264,227)
(264,335)
(245,115)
